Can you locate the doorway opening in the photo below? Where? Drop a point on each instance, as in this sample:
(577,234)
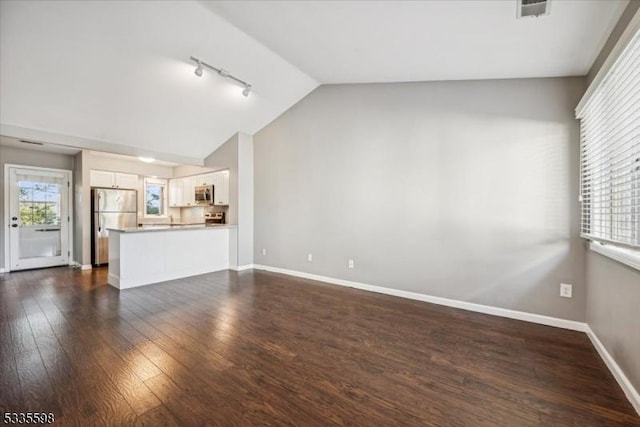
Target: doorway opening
(37,217)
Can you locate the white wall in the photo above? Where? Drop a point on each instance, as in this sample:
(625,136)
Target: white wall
(12,155)
(465,190)
(188,170)
(78,202)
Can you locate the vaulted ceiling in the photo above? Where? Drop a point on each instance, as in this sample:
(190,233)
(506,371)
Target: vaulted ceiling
(116,75)
(398,41)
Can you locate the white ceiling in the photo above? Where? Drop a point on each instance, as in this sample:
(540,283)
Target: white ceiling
(37,146)
(396,41)
(118,73)
(71,151)
(115,75)
(132,158)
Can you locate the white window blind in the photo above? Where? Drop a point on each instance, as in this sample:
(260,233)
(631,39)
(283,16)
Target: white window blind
(610,153)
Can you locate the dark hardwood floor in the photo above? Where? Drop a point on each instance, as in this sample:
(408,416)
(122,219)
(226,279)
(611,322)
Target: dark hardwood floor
(257,348)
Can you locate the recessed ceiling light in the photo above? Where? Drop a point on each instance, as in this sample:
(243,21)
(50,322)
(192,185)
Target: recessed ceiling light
(146,159)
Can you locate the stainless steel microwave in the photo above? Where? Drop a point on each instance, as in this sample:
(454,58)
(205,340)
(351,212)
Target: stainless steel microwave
(204,194)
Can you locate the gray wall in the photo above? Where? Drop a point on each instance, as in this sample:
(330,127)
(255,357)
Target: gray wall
(612,311)
(629,12)
(613,288)
(245,199)
(465,190)
(19,156)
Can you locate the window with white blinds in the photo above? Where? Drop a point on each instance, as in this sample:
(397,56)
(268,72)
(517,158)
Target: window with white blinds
(610,154)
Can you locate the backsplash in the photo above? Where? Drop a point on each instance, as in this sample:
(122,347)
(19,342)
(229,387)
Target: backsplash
(182,215)
(191,214)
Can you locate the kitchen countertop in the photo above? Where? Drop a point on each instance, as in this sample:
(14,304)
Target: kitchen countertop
(169,227)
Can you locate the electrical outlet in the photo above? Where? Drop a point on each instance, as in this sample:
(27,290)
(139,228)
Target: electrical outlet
(264,251)
(565,290)
(309,257)
(350,263)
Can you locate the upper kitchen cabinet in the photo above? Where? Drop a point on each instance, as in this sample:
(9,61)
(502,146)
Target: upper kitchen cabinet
(176,192)
(182,190)
(113,179)
(189,192)
(206,179)
(221,191)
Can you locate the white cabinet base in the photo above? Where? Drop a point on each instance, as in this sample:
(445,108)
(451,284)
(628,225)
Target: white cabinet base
(142,258)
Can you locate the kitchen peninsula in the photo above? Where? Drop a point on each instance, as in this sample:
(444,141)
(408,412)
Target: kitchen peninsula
(141,256)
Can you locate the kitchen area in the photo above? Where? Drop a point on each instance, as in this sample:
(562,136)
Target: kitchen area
(166,222)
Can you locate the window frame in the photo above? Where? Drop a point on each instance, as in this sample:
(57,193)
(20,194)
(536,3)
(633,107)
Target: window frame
(148,181)
(628,254)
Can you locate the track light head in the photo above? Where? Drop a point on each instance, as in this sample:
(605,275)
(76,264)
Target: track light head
(200,65)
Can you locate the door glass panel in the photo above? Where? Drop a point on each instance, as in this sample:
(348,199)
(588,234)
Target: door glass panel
(40,218)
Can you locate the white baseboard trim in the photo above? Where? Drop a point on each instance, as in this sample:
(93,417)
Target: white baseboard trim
(2,270)
(243,267)
(628,388)
(81,266)
(487,309)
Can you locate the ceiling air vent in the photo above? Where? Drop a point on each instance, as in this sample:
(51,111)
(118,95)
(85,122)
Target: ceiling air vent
(534,8)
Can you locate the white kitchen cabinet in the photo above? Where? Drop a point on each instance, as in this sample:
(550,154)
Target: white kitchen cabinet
(221,190)
(101,179)
(113,179)
(205,179)
(176,192)
(182,190)
(126,180)
(188,191)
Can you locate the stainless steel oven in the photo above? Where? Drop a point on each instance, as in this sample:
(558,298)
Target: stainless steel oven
(204,194)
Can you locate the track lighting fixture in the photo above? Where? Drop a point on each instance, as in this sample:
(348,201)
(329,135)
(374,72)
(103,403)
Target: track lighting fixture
(222,72)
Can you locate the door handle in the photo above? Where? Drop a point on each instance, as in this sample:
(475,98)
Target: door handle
(14,225)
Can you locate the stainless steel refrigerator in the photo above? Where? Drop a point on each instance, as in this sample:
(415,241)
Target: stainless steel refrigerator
(112,208)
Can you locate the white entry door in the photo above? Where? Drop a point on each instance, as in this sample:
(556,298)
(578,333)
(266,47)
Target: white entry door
(39,217)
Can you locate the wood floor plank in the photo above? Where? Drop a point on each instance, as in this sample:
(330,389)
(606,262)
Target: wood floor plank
(257,348)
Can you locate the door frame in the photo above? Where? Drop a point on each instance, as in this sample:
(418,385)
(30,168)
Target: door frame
(6,223)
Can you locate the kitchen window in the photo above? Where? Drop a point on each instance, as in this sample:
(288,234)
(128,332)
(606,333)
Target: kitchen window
(610,159)
(155,197)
